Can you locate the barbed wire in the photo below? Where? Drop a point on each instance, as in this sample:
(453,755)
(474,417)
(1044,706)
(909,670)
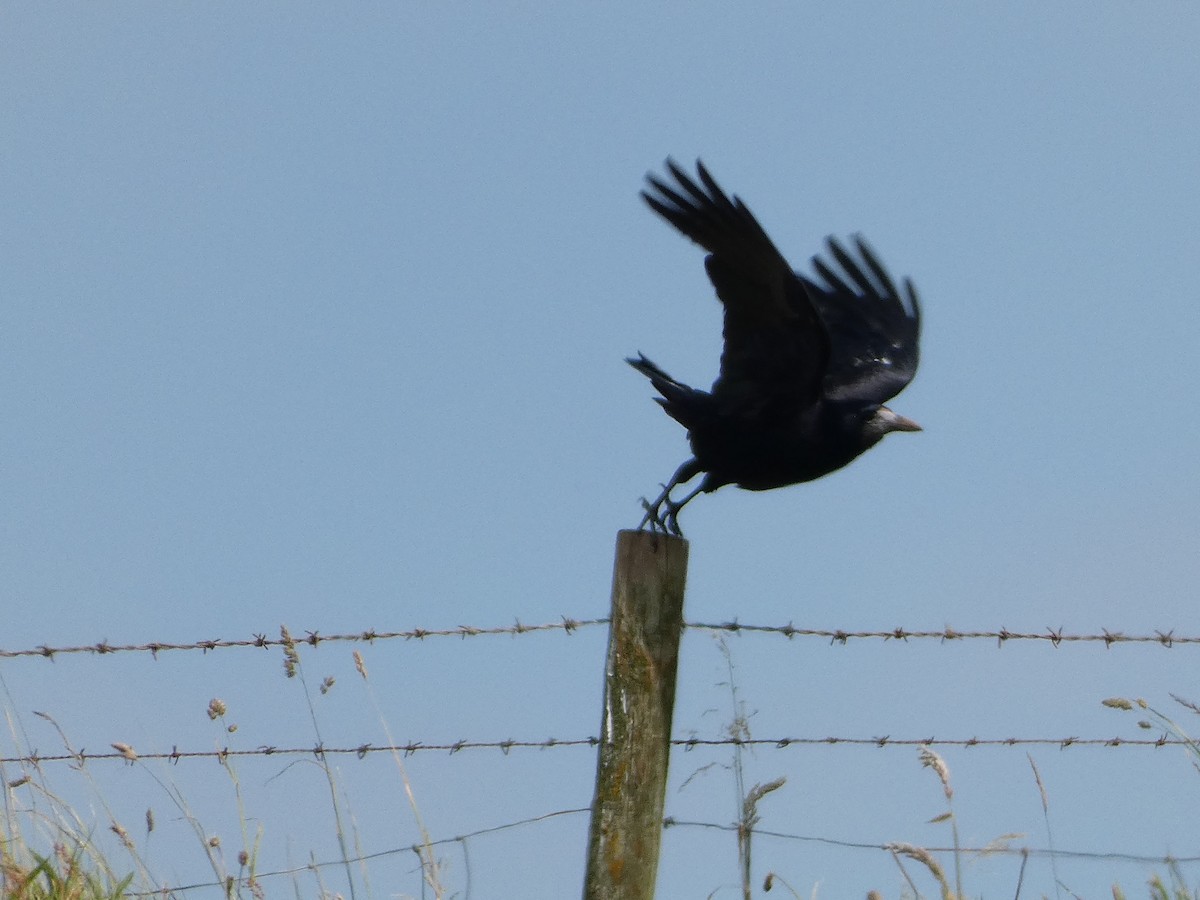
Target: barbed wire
(1053,636)
(127,753)
(888,741)
(311,638)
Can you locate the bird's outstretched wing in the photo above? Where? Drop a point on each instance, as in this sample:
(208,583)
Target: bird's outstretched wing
(873,328)
(776,349)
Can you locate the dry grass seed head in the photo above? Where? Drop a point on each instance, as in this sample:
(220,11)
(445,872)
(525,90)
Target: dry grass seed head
(935,762)
(923,856)
(291,659)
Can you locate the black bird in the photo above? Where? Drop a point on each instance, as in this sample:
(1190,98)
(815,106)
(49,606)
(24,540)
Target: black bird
(807,364)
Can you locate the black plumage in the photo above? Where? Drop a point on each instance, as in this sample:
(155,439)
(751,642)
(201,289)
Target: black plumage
(808,361)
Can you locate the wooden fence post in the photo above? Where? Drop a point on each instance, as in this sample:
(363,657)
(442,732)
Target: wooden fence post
(649,576)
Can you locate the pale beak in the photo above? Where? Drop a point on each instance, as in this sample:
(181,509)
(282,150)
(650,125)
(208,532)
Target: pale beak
(897,422)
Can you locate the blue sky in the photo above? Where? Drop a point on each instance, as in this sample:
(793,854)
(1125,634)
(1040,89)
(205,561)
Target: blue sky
(316,315)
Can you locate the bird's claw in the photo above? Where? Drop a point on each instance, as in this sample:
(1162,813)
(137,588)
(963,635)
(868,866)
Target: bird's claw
(667,523)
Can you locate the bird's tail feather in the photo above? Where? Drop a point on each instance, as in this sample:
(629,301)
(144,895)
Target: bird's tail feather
(677,398)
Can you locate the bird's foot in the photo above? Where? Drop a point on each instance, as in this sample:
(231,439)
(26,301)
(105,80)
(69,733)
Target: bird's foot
(667,523)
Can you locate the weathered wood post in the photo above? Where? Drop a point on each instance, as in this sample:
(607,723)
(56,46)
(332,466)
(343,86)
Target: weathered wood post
(649,576)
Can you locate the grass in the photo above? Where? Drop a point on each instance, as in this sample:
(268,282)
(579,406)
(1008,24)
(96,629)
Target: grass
(946,886)
(48,851)
(69,874)
(1174,888)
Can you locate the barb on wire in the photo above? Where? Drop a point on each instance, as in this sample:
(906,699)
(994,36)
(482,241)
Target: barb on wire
(312,638)
(125,753)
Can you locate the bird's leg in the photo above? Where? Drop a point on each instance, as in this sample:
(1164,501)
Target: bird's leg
(652,517)
(668,523)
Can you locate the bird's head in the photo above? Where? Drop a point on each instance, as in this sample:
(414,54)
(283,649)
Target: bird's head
(882,420)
